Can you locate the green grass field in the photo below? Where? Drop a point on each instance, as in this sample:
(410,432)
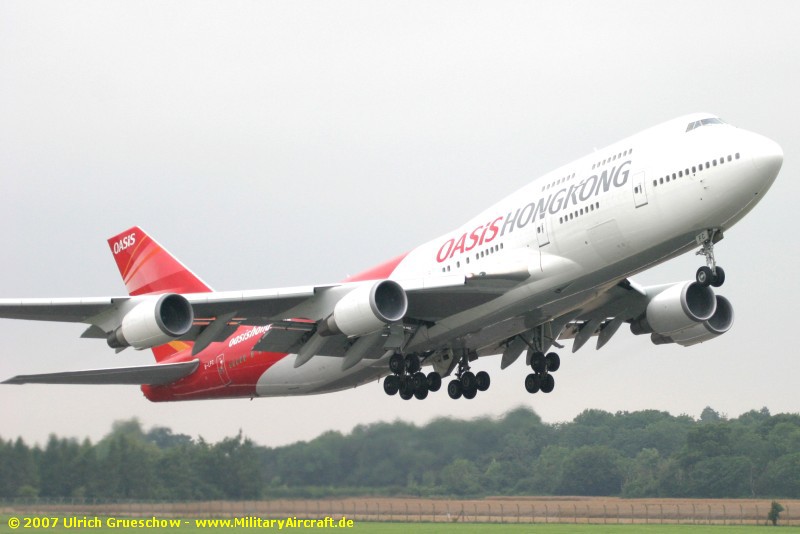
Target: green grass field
(189,527)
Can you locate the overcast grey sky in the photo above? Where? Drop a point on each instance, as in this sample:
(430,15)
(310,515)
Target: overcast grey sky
(284,143)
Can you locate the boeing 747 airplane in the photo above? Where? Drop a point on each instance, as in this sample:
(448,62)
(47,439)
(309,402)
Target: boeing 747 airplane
(550,262)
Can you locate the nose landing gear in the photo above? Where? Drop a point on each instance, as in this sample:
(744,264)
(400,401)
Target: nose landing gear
(710,274)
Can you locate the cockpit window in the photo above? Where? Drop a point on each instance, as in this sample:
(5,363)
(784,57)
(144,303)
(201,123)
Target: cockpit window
(703,122)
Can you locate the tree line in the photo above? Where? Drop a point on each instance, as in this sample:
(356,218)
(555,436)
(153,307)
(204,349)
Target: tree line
(630,454)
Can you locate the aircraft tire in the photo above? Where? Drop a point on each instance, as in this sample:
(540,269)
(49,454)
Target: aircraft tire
(419,380)
(391,385)
(405,395)
(532,383)
(482,380)
(553,362)
(406,386)
(548,383)
(434,381)
(454,389)
(719,278)
(538,362)
(470,393)
(397,364)
(412,363)
(704,276)
(468,381)
(421,393)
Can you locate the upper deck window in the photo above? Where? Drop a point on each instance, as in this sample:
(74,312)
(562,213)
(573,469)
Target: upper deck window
(697,124)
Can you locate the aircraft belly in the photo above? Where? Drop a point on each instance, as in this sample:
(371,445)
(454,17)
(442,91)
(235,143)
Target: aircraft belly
(321,374)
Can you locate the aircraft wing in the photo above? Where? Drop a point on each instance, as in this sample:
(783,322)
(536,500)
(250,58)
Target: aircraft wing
(429,299)
(603,316)
(144,374)
(58,309)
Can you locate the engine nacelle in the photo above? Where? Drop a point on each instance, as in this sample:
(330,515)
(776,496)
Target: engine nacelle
(718,324)
(366,309)
(677,308)
(158,319)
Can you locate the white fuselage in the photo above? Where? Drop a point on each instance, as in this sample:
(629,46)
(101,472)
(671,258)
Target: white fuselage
(583,226)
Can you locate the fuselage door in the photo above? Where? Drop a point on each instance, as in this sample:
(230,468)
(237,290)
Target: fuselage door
(542,235)
(224,377)
(639,190)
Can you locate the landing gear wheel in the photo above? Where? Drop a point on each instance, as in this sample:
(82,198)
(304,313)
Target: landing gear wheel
(421,393)
(391,384)
(718,278)
(532,383)
(704,276)
(412,363)
(454,389)
(405,394)
(419,380)
(548,383)
(553,362)
(406,387)
(468,381)
(482,380)
(397,364)
(538,362)
(434,381)
(470,393)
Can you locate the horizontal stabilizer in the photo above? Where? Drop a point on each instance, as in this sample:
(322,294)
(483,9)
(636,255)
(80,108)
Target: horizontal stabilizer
(154,375)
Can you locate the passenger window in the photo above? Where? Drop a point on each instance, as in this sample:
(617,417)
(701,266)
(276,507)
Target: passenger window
(694,170)
(680,174)
(737,155)
(729,158)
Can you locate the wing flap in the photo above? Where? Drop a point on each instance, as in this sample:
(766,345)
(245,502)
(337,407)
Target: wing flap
(604,315)
(155,375)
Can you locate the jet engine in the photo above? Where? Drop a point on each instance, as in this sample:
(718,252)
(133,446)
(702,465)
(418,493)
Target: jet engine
(156,320)
(718,324)
(677,308)
(366,309)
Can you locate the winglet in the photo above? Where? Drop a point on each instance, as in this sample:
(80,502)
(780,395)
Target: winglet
(146,267)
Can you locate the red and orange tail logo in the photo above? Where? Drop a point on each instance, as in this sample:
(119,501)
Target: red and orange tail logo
(146,267)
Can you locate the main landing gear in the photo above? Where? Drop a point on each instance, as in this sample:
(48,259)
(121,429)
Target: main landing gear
(467,383)
(408,380)
(710,274)
(541,379)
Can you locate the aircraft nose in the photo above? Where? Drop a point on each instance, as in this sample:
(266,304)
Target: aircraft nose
(768,157)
